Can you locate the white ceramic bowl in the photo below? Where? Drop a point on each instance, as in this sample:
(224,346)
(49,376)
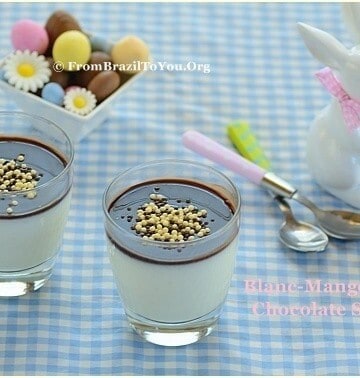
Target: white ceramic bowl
(76,126)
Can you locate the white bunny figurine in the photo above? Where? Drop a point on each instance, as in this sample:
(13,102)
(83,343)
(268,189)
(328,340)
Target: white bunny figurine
(333,146)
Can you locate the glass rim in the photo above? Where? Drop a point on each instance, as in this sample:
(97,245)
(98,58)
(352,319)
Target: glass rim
(58,128)
(176,161)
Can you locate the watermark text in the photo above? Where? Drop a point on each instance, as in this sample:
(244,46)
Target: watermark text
(135,66)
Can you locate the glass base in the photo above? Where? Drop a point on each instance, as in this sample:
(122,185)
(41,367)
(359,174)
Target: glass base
(17,288)
(14,284)
(173,334)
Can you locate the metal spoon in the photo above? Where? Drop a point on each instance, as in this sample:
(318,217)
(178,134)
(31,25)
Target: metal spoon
(300,236)
(337,223)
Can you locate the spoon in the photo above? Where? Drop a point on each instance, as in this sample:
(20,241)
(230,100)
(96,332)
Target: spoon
(297,235)
(337,223)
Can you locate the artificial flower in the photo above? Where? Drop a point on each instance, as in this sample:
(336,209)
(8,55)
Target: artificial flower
(27,71)
(80,101)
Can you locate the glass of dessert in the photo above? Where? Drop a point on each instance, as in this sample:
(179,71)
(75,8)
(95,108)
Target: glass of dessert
(172,236)
(35,183)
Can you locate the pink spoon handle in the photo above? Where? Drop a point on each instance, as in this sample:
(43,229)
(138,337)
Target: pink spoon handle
(217,153)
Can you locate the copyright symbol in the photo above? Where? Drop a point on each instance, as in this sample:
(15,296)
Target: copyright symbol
(58,66)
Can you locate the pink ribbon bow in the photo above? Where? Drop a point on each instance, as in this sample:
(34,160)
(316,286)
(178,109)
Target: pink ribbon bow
(350,107)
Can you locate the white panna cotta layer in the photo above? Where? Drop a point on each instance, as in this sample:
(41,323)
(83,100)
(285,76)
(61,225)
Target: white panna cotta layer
(33,239)
(173,293)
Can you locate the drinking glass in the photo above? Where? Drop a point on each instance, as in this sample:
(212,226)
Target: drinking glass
(36,159)
(172,291)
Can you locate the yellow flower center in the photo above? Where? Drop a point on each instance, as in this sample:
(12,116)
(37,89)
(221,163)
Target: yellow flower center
(26,70)
(79,102)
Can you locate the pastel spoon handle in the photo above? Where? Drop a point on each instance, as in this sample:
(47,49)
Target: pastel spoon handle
(217,153)
(221,155)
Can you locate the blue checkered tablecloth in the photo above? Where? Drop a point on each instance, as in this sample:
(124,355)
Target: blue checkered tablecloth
(260,71)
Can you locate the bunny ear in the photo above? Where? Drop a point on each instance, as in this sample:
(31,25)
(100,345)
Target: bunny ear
(323,46)
(351,16)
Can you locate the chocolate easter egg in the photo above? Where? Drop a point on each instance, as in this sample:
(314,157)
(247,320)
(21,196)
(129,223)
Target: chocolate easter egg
(58,23)
(54,93)
(29,35)
(99,43)
(99,61)
(103,84)
(72,48)
(129,50)
(57,74)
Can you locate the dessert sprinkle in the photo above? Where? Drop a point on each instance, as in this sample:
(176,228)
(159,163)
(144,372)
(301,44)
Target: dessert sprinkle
(160,221)
(16,175)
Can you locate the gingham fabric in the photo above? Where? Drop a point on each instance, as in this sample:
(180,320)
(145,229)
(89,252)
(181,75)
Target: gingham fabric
(261,72)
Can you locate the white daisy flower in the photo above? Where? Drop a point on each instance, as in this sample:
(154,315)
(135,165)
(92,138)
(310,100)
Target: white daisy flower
(79,101)
(27,71)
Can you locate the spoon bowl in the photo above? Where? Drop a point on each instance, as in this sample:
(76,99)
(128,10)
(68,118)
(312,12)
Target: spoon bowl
(339,224)
(297,235)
